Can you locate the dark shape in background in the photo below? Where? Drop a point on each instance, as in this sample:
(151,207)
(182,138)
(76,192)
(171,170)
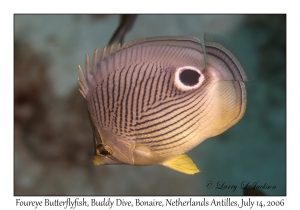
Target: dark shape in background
(126,24)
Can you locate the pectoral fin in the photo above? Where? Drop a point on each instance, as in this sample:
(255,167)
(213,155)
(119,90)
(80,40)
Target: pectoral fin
(182,164)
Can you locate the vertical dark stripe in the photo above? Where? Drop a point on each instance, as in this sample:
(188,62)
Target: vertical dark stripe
(151,93)
(123,106)
(119,105)
(172,89)
(113,93)
(134,96)
(167,94)
(163,86)
(145,91)
(103,105)
(139,93)
(107,101)
(128,103)
(119,83)
(158,87)
(98,106)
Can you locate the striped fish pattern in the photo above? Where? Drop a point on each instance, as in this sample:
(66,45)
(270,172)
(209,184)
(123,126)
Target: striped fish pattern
(152,100)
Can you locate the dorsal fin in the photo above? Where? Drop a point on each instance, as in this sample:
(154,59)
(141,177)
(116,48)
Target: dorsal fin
(167,49)
(130,44)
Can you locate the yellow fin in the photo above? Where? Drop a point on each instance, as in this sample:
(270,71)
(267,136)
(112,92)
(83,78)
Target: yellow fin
(183,164)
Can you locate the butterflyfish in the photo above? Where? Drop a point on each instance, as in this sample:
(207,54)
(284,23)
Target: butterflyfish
(152,100)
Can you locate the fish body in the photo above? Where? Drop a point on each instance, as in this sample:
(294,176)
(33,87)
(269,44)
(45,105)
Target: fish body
(152,100)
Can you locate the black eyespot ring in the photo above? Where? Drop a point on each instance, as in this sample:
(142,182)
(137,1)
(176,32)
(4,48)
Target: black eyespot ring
(189,77)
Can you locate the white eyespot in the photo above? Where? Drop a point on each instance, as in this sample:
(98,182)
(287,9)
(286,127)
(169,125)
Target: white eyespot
(188,78)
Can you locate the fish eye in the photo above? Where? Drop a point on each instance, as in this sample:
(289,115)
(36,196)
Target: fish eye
(103,150)
(188,78)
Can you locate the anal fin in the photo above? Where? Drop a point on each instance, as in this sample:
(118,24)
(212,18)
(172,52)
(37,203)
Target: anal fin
(183,164)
